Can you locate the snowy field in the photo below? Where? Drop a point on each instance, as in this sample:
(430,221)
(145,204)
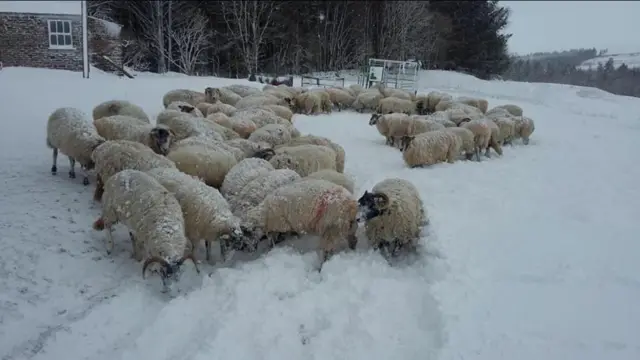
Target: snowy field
(532,255)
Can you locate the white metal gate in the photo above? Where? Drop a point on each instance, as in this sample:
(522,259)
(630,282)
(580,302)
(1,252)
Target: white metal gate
(391,73)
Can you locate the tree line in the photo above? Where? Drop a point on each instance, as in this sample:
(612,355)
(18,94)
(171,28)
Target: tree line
(236,38)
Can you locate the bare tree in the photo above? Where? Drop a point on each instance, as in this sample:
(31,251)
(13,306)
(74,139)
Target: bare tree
(150,16)
(405,23)
(100,9)
(336,42)
(192,38)
(247,21)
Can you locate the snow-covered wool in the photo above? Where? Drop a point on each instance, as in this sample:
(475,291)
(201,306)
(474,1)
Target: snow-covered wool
(242,90)
(309,103)
(227,134)
(119,107)
(524,127)
(242,127)
(396,93)
(206,162)
(480,104)
(497,112)
(152,215)
(340,98)
(70,131)
(206,141)
(185,108)
(262,99)
(513,110)
(354,89)
(184,125)
(207,216)
(243,173)
(481,134)
(189,96)
(458,112)
(393,215)
(410,127)
(249,148)
(280,110)
(319,140)
(273,134)
(114,156)
(279,92)
(219,107)
(303,159)
(430,148)
(507,129)
(213,95)
(260,117)
(325,100)
(382,123)
(257,189)
(395,105)
(434,97)
(122,127)
(439,117)
(310,206)
(495,140)
(334,177)
(467,140)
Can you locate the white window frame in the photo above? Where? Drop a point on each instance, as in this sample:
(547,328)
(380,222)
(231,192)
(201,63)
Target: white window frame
(70,33)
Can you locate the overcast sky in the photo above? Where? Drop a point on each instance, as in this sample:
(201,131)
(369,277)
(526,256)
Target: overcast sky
(562,25)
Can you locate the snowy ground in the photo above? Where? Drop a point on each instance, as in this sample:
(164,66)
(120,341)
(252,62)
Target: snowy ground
(531,256)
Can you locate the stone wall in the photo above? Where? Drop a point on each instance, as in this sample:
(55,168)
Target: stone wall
(24,41)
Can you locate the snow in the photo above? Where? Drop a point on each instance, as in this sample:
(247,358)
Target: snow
(112,29)
(530,255)
(42,7)
(632,60)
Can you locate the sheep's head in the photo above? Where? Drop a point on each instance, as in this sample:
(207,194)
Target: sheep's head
(405,141)
(161,139)
(265,154)
(211,95)
(290,102)
(371,205)
(168,270)
(374,119)
(186,109)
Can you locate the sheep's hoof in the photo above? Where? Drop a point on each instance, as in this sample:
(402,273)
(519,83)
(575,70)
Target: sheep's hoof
(85,181)
(72,174)
(54,170)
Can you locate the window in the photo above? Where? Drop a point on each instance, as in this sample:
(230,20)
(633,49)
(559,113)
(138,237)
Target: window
(60,34)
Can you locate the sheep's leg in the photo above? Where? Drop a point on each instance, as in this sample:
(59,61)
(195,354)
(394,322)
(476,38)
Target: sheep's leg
(85,175)
(487,152)
(72,166)
(97,195)
(478,153)
(207,248)
(525,140)
(496,147)
(109,239)
(352,240)
(54,167)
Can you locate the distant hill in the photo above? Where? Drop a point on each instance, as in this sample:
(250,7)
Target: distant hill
(632,60)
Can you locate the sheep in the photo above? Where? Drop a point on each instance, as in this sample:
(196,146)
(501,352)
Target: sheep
(70,132)
(422,105)
(218,107)
(208,142)
(248,147)
(309,206)
(507,129)
(524,127)
(494,140)
(243,173)
(185,108)
(393,215)
(119,107)
(303,159)
(262,99)
(184,126)
(278,92)
(242,90)
(191,97)
(396,93)
(325,100)
(367,100)
(354,89)
(152,215)
(410,127)
(434,97)
(334,177)
(395,105)
(273,134)
(213,95)
(260,117)
(480,104)
(206,213)
(208,163)
(382,123)
(309,103)
(340,98)
(121,127)
(319,140)
(497,112)
(439,117)
(458,112)
(243,127)
(114,156)
(282,111)
(467,140)
(513,110)
(481,134)
(257,189)
(430,148)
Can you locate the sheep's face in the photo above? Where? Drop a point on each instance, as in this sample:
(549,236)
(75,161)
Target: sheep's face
(374,119)
(371,205)
(90,165)
(249,239)
(186,109)
(162,139)
(290,102)
(265,154)
(405,141)
(211,95)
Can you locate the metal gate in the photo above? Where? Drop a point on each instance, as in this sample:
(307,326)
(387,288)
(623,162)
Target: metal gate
(390,73)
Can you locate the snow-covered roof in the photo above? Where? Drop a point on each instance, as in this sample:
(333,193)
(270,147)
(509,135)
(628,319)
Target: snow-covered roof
(42,7)
(111,28)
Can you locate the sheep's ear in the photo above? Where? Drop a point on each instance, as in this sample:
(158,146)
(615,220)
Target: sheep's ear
(186,108)
(381,201)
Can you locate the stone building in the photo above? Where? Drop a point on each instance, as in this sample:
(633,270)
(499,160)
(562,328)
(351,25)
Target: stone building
(48,34)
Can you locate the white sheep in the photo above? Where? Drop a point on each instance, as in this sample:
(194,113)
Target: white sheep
(213,144)
(430,148)
(70,131)
(334,177)
(207,216)
(434,97)
(189,96)
(280,110)
(303,159)
(440,117)
(243,127)
(458,112)
(367,100)
(185,108)
(340,98)
(243,173)
(260,100)
(121,127)
(273,134)
(480,104)
(206,162)
(319,140)
(396,93)
(513,110)
(310,206)
(394,215)
(481,134)
(119,107)
(524,127)
(325,100)
(114,156)
(467,140)
(213,95)
(260,117)
(219,107)
(507,129)
(410,127)
(395,105)
(257,189)
(309,103)
(184,125)
(382,123)
(249,148)
(355,89)
(242,90)
(154,218)
(494,140)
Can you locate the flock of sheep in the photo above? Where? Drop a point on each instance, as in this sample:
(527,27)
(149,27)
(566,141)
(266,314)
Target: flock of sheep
(227,166)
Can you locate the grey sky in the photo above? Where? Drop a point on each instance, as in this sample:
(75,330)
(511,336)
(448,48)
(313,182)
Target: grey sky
(561,25)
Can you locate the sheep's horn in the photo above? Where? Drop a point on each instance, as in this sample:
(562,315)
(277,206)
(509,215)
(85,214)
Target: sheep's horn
(151,260)
(189,257)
